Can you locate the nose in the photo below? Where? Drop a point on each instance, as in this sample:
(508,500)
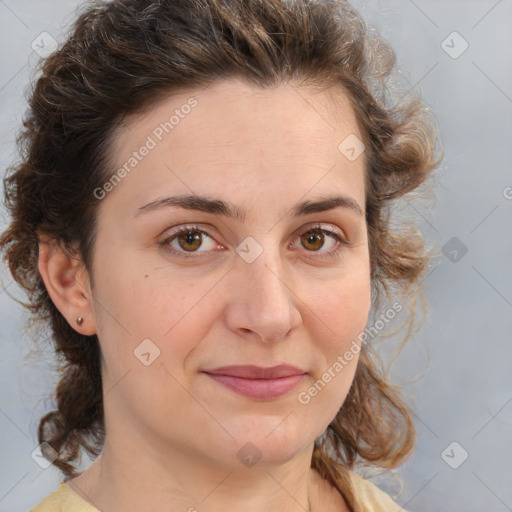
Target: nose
(262,302)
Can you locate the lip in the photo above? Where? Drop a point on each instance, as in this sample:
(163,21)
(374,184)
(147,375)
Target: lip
(258,382)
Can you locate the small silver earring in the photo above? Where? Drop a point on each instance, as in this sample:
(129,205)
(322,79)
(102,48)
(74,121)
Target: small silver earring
(79,320)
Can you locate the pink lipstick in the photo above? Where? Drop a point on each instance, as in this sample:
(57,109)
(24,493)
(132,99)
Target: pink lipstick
(258,382)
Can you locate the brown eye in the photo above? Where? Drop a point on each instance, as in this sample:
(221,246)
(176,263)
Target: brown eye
(195,242)
(190,241)
(325,243)
(313,240)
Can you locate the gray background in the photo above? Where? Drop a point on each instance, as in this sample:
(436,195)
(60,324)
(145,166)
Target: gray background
(464,352)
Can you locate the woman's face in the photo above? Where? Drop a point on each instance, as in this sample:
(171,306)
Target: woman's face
(254,282)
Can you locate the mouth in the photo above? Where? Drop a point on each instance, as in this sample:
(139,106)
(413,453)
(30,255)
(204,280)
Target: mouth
(257,382)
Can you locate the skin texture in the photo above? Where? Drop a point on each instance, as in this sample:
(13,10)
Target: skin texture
(173,433)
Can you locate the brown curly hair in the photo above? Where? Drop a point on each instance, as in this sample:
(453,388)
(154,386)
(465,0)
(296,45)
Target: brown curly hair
(120,58)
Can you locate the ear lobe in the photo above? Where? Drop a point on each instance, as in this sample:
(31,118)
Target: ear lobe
(68,284)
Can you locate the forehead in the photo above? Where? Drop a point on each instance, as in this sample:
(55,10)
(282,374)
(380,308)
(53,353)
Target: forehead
(234,137)
(228,106)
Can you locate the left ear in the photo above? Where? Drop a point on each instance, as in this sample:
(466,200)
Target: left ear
(68,284)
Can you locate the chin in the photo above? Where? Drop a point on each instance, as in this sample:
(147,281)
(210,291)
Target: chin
(273,443)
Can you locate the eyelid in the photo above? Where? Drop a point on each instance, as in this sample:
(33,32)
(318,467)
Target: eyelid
(175,232)
(334,232)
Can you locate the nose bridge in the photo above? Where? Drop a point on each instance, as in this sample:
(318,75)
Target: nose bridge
(263,291)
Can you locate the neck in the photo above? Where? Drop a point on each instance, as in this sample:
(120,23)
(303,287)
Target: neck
(136,476)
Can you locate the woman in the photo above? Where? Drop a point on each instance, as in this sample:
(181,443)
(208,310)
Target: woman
(201,218)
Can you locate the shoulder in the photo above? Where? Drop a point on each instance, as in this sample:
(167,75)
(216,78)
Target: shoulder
(64,499)
(369,497)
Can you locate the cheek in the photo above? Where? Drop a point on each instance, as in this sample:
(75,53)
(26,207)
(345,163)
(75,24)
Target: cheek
(140,299)
(350,314)
(144,305)
(343,307)
(341,316)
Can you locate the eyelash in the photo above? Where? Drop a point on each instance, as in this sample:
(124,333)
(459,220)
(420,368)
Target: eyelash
(194,228)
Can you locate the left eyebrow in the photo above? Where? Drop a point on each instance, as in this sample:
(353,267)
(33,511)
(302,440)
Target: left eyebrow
(228,209)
